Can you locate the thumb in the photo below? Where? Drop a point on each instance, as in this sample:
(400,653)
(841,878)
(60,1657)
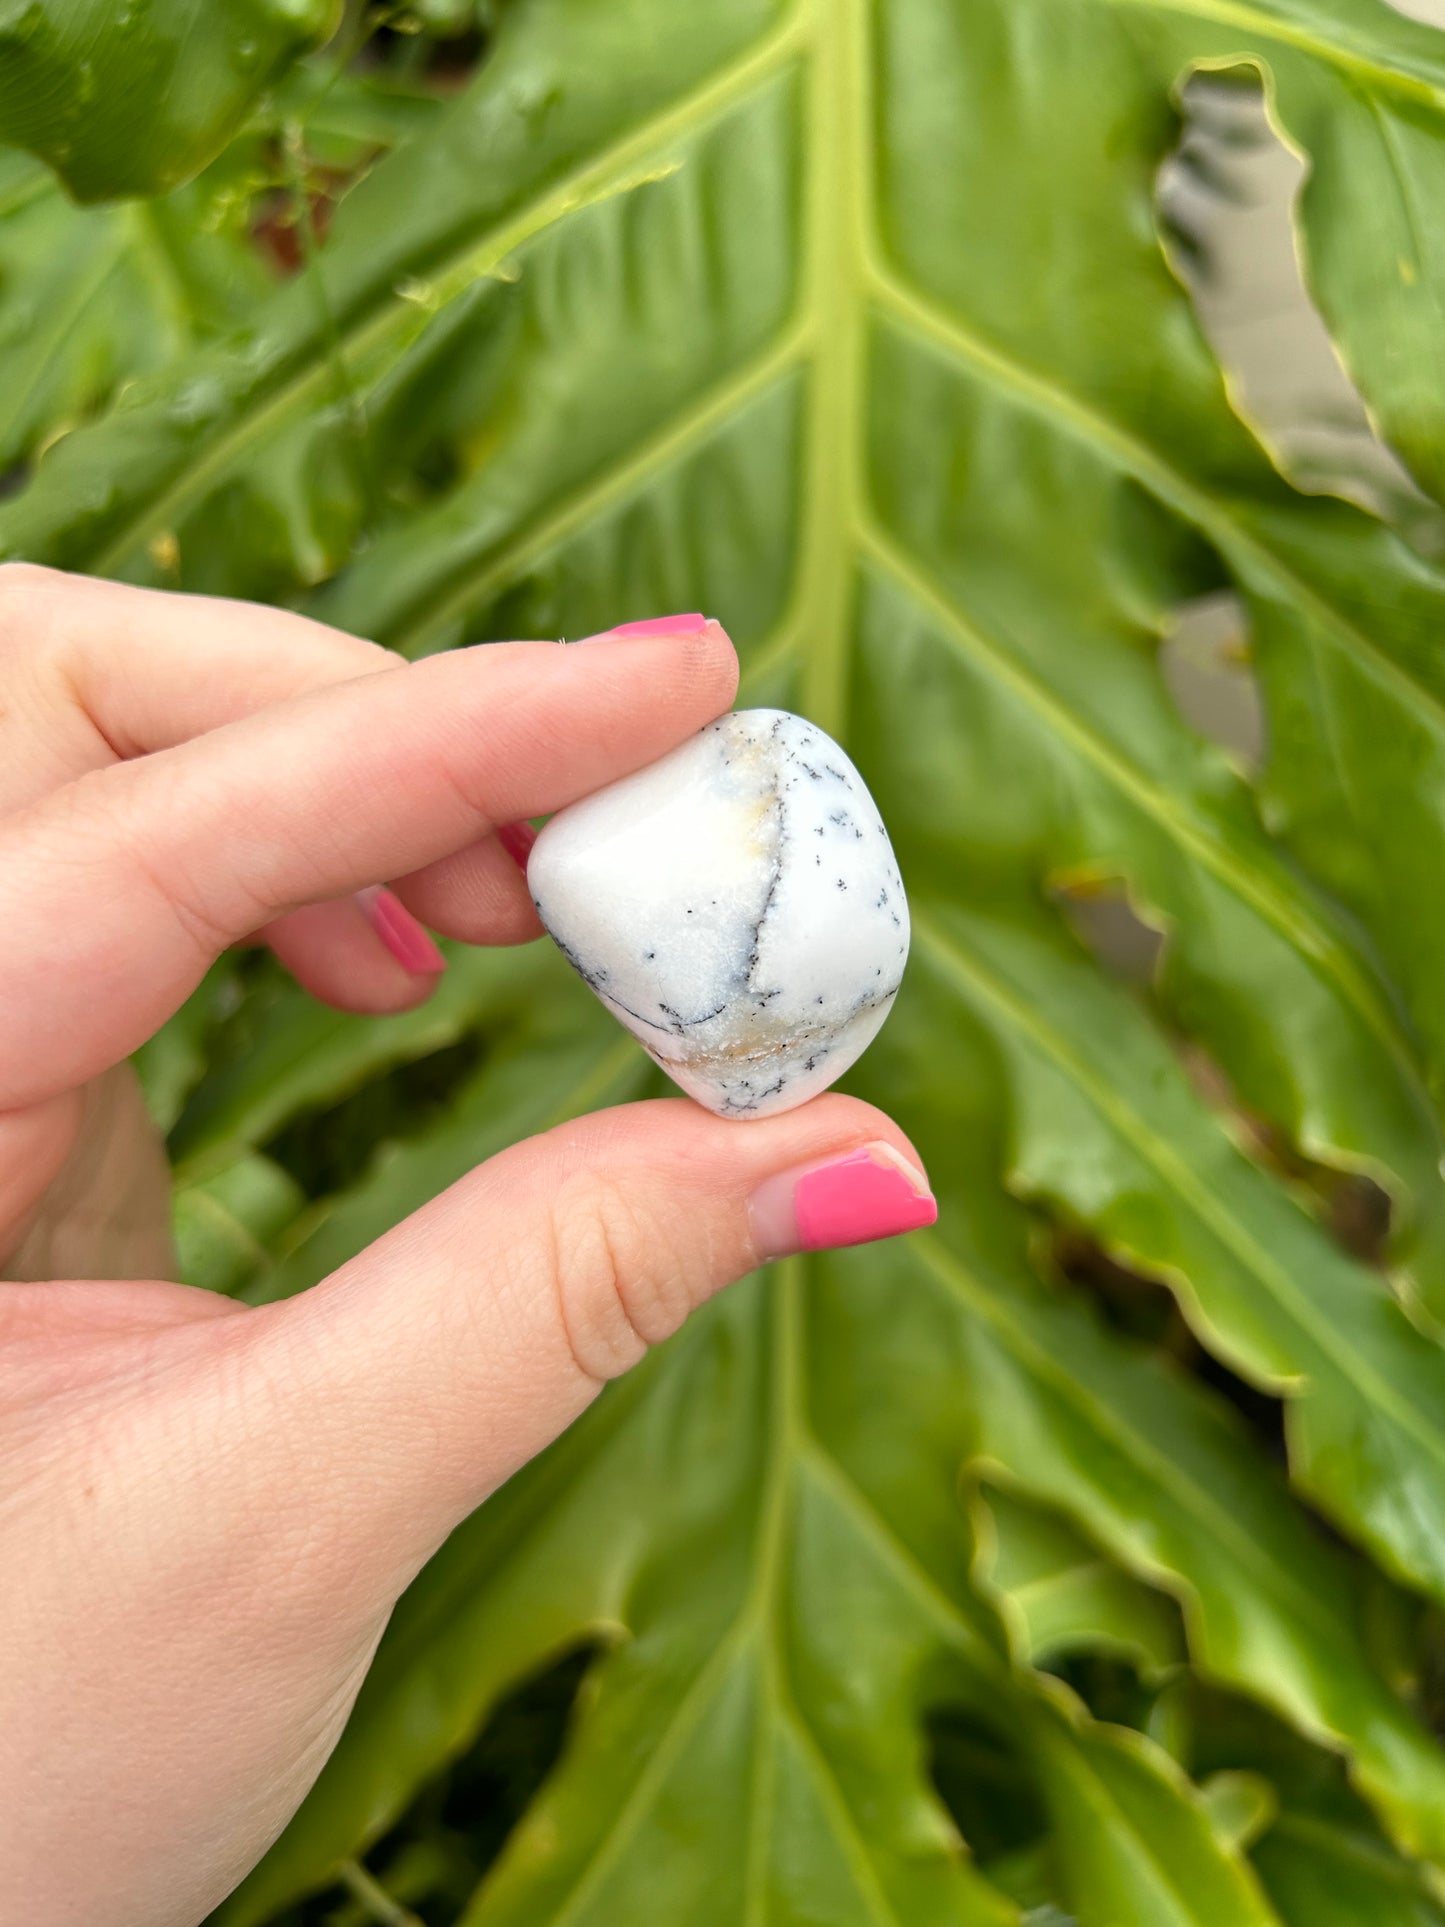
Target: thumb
(415,1380)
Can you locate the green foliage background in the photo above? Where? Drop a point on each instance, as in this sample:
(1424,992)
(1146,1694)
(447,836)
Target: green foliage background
(1084,1558)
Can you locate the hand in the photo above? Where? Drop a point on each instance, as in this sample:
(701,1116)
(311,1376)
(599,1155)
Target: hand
(207,1511)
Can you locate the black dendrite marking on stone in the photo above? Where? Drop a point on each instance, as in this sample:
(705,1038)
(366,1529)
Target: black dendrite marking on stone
(595,979)
(841,884)
(667,1030)
(681,1025)
(755,943)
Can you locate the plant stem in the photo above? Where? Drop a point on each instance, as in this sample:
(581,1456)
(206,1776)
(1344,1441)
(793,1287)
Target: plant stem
(370,1894)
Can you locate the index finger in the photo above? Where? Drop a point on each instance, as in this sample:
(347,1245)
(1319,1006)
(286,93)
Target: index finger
(118,891)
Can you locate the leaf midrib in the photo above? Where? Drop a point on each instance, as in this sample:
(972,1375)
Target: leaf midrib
(754,1623)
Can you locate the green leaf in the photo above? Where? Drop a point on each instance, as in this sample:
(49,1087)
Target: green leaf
(848,321)
(730,1746)
(296,1056)
(134,99)
(1057,1593)
(93,297)
(691,394)
(1321,1874)
(1107,1127)
(1321,1859)
(224,1223)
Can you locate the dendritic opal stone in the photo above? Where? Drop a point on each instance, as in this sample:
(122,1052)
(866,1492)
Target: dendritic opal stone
(738,906)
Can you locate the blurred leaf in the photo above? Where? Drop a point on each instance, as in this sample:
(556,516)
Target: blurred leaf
(224,1223)
(1056,1592)
(1322,1860)
(1106,1126)
(92,297)
(1320,1874)
(137,97)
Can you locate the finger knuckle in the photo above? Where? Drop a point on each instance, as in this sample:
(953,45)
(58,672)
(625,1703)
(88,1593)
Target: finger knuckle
(104,810)
(622,1284)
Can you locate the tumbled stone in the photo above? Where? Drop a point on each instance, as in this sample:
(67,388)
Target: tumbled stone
(737,906)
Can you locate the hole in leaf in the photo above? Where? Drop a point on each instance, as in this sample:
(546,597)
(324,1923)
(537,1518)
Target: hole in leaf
(1226,199)
(435,44)
(1352,1207)
(327,1150)
(985,1784)
(1204,661)
(1098,911)
(432,1860)
(1145,1310)
(1263,1413)
(1358,1215)
(1110,1685)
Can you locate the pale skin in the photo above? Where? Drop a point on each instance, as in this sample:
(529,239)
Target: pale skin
(207,1510)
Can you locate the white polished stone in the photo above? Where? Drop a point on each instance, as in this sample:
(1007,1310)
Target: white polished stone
(738,906)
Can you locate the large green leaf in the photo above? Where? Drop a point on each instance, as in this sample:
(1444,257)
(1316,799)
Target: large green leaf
(734,1753)
(848,321)
(136,98)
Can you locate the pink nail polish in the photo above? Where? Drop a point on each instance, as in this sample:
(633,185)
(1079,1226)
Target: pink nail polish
(692,625)
(401,933)
(873,1192)
(517,840)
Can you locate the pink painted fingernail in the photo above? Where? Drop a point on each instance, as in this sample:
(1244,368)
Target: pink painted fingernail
(401,933)
(517,840)
(692,625)
(873,1192)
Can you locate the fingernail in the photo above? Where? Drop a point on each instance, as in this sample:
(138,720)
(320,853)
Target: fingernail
(517,840)
(692,625)
(401,933)
(873,1192)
